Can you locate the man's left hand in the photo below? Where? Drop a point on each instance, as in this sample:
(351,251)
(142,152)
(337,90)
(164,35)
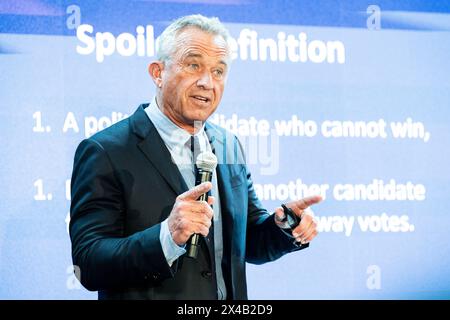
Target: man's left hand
(307,229)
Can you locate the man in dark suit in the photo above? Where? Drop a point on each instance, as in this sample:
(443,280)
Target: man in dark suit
(134,201)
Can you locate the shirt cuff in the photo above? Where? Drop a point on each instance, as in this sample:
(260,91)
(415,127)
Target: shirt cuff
(171,250)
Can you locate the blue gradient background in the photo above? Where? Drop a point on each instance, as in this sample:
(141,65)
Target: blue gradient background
(397,72)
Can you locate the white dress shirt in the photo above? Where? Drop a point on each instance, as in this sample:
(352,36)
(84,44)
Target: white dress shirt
(177,140)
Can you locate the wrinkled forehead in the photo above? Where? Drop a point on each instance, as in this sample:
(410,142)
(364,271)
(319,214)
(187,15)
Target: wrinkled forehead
(192,40)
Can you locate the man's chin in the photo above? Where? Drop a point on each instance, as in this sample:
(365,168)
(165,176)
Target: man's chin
(200,117)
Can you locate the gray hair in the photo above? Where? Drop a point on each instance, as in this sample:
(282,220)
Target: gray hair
(166,41)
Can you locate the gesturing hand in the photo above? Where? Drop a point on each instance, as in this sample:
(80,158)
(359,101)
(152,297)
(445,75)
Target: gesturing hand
(189,216)
(307,229)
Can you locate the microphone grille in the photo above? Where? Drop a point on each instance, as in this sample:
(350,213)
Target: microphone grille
(206,161)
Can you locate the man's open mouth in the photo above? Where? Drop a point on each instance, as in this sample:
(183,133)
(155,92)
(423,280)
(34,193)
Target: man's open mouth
(201,98)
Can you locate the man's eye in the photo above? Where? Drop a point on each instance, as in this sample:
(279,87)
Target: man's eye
(194,66)
(218,73)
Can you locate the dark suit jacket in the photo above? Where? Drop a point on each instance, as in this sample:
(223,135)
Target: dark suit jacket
(124,185)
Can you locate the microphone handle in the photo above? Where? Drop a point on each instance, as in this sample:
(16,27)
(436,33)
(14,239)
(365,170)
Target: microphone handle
(202,176)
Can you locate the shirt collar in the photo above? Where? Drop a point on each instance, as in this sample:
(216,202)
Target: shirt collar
(169,131)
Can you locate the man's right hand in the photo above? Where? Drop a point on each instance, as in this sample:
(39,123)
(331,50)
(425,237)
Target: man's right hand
(190,216)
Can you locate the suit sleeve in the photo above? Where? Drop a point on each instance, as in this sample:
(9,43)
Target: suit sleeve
(106,258)
(265,241)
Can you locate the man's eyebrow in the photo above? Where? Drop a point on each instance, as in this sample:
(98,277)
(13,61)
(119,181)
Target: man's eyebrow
(198,55)
(194,55)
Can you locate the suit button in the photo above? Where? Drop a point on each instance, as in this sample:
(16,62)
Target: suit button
(206,274)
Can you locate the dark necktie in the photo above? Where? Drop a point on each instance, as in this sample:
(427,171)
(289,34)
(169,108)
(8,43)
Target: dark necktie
(196,150)
(209,240)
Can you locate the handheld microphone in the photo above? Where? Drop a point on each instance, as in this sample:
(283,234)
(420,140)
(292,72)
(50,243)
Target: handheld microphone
(206,164)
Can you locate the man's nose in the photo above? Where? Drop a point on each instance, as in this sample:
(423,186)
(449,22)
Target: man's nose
(205,80)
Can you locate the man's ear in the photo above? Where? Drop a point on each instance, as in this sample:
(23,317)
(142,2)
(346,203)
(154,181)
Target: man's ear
(155,69)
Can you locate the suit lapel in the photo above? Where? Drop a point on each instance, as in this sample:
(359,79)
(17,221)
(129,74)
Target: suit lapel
(159,156)
(156,151)
(218,143)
